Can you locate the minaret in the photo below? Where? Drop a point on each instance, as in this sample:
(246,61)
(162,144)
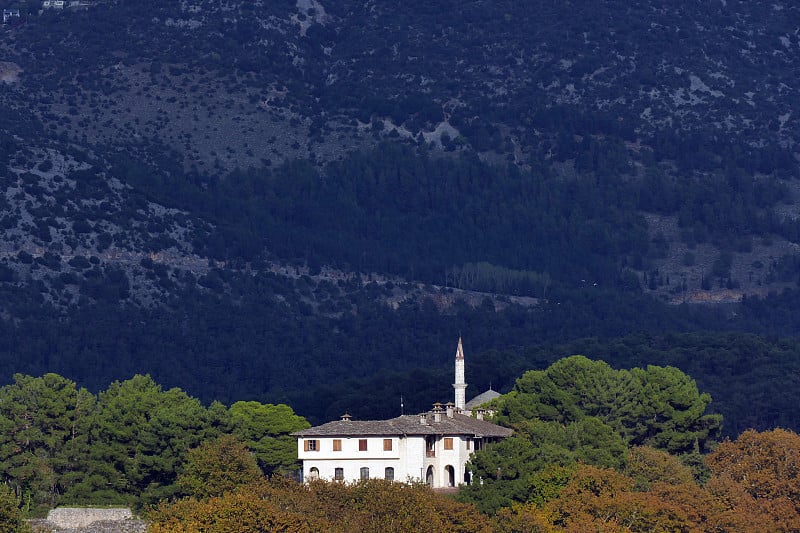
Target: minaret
(459,385)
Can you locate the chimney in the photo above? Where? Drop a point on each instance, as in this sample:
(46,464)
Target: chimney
(479,413)
(423,419)
(450,407)
(346,417)
(437,412)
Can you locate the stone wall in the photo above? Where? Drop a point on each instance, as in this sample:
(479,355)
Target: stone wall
(73,517)
(89,520)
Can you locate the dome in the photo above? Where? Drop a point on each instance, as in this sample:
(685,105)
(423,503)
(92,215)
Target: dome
(482,398)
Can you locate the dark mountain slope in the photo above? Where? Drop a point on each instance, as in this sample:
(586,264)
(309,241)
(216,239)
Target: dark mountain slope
(204,190)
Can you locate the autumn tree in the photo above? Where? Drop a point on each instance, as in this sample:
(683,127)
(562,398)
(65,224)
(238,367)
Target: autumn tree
(284,505)
(765,465)
(218,466)
(241,510)
(648,466)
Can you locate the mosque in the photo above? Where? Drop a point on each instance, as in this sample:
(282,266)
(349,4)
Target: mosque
(433,447)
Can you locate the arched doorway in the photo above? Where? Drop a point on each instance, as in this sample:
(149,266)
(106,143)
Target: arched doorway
(451,475)
(429,476)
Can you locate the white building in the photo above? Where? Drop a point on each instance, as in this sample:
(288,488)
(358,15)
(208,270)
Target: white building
(433,446)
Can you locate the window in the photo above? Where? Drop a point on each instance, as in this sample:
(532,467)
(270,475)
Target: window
(468,442)
(337,445)
(362,445)
(364,472)
(387,445)
(311,445)
(313,473)
(338,474)
(448,443)
(389,473)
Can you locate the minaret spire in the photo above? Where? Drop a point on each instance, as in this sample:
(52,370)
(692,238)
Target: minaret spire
(460,386)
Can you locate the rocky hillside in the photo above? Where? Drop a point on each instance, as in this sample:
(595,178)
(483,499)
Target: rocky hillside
(202,88)
(240,83)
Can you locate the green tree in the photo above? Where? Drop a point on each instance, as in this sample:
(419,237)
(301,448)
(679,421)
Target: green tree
(139,440)
(665,410)
(578,410)
(44,425)
(266,429)
(513,470)
(11,520)
(657,406)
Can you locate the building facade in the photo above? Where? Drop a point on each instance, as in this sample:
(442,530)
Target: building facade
(433,447)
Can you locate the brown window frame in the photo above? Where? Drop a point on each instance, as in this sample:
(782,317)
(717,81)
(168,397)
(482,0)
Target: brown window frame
(387,445)
(337,445)
(311,445)
(448,443)
(362,445)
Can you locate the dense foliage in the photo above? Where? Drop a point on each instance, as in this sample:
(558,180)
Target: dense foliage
(653,493)
(127,445)
(593,448)
(568,129)
(280,505)
(421,216)
(363,359)
(570,134)
(742,372)
(579,410)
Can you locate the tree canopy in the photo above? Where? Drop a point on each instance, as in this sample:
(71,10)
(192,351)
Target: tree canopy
(656,406)
(129,444)
(583,411)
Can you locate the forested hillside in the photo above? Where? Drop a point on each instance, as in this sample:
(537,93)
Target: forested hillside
(307,202)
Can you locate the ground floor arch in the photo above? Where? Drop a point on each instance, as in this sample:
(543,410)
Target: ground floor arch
(450,475)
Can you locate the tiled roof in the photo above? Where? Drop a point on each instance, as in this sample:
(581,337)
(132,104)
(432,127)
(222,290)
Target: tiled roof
(459,424)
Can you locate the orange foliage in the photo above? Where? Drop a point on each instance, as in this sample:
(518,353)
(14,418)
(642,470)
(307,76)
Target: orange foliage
(238,511)
(766,466)
(648,465)
(767,463)
(599,499)
(518,518)
(281,505)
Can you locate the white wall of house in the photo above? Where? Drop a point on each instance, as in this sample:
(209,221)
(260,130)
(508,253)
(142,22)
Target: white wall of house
(456,458)
(351,458)
(408,457)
